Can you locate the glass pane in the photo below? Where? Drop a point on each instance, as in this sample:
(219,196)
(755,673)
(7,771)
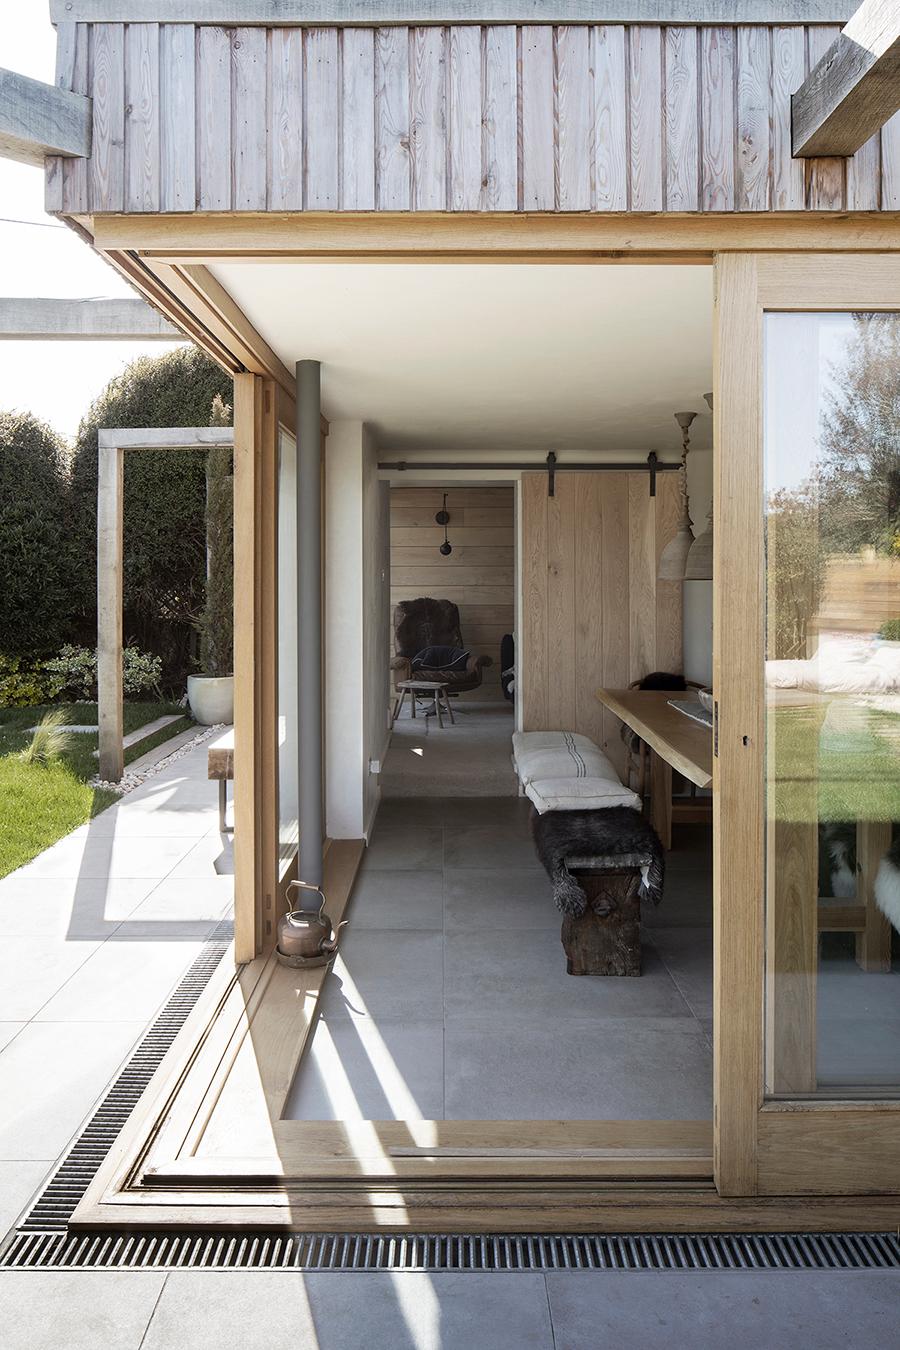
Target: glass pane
(832,514)
(288,792)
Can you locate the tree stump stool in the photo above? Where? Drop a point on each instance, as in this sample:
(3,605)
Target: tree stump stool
(606,938)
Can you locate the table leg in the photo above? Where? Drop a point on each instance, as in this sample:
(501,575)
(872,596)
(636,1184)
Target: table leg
(873,944)
(412,702)
(223,804)
(661,798)
(449,707)
(437,708)
(396,713)
(792,956)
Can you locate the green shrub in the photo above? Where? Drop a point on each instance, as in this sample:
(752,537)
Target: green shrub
(38,550)
(24,686)
(76,669)
(217,619)
(49,742)
(890,630)
(164,580)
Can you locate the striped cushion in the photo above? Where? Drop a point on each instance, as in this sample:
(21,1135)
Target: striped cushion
(579,794)
(559,754)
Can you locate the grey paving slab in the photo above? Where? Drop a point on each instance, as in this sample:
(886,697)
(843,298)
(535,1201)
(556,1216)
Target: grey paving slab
(68,907)
(18,1182)
(360,1311)
(500,898)
(549,1068)
(524,976)
(359,1069)
(687,954)
(394,848)
(101,855)
(9,1031)
(393,973)
(397,898)
(50,1077)
(489,847)
(77,1310)
(33,969)
(711,1310)
(122,982)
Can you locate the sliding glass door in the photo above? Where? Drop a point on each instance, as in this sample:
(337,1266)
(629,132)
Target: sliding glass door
(808,736)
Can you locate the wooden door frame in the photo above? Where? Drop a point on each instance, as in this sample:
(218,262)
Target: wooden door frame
(162,257)
(774,1146)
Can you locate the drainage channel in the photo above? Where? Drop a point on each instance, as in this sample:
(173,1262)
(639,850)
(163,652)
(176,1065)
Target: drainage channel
(42,1240)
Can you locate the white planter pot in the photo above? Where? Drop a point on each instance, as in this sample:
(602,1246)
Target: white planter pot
(211,698)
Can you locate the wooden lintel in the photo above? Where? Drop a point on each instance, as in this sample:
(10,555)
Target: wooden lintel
(854,89)
(45,319)
(37,119)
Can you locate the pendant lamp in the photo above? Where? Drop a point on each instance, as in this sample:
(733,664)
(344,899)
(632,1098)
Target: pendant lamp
(673,558)
(700,559)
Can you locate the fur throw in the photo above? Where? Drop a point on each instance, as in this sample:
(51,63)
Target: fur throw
(616,831)
(887,885)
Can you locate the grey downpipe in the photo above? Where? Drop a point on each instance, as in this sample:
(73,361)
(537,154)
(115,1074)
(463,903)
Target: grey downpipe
(309,604)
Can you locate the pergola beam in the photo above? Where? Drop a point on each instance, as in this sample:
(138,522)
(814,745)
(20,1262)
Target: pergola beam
(112,442)
(42,319)
(854,89)
(38,119)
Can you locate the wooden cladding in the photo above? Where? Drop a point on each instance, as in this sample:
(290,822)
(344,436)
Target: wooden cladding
(476,117)
(593,612)
(478,576)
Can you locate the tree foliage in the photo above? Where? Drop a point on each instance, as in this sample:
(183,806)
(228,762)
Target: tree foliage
(217,619)
(38,550)
(165,503)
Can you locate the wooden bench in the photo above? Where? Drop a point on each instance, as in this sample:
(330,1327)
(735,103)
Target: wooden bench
(220,767)
(606,938)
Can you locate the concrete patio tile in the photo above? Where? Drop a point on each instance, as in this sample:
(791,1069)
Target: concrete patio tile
(182,899)
(396,898)
(173,821)
(50,1077)
(687,954)
(394,973)
(419,850)
(392,1071)
(18,1182)
(504,898)
(487,973)
(211,856)
(59,907)
(33,969)
(106,856)
(549,1068)
(76,1309)
(9,1031)
(123,981)
(352,1311)
(706,1310)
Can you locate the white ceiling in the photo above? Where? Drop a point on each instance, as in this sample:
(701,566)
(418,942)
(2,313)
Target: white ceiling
(494,356)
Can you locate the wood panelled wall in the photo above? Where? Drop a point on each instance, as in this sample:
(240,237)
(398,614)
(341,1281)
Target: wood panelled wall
(593,612)
(458,118)
(478,576)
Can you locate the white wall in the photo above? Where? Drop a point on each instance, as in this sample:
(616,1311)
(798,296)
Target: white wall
(356,600)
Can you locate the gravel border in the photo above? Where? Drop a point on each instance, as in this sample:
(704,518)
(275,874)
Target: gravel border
(133,778)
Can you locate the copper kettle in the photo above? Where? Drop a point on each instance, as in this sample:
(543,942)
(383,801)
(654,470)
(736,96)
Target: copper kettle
(306,937)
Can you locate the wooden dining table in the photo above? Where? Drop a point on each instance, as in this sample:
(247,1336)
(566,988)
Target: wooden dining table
(677,743)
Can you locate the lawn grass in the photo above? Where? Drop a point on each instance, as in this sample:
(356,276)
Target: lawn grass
(41,803)
(846,769)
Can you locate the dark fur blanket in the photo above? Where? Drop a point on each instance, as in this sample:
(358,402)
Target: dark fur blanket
(616,831)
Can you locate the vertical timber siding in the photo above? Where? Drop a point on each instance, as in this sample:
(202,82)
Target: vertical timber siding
(594,613)
(532,117)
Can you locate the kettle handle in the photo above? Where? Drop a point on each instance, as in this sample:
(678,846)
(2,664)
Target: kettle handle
(308,886)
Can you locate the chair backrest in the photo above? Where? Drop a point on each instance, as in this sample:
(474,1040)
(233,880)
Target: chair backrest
(660,679)
(425,623)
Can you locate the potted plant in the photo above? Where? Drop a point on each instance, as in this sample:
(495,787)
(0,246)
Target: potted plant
(211,693)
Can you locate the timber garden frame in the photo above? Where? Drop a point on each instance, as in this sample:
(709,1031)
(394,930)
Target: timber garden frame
(488,1175)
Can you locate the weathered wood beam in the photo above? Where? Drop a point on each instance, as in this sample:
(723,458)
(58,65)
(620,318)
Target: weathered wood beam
(164,438)
(30,318)
(383,12)
(38,119)
(854,89)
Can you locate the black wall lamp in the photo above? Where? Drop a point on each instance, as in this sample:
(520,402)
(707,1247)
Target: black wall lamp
(443,518)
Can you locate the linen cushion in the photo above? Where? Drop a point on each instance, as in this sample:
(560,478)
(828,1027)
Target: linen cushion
(580,794)
(559,754)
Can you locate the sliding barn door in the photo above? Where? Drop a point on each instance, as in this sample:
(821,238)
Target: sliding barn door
(593,612)
(807,765)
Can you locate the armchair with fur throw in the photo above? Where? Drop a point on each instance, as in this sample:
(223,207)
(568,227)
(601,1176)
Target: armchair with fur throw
(432,623)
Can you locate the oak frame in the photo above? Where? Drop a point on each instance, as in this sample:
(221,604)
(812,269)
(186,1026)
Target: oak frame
(632,1193)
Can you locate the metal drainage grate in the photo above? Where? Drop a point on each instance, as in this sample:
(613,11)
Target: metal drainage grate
(342,1251)
(56,1203)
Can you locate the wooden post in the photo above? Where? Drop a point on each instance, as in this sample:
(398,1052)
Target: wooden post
(247,436)
(110,485)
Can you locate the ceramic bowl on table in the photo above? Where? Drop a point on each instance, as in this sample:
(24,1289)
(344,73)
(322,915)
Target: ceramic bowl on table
(706,698)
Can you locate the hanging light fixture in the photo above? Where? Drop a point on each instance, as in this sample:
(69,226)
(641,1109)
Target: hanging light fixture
(443,518)
(674,556)
(700,559)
